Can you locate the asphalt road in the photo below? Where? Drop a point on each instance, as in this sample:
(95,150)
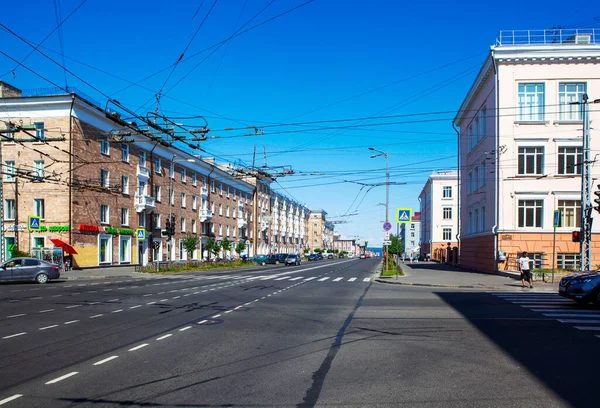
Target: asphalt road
(320,334)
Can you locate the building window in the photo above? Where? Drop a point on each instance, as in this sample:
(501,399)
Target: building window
(568,261)
(39,131)
(38,207)
(157,165)
(38,242)
(471,141)
(531,160)
(447,213)
(38,166)
(125,249)
(470,183)
(569,160)
(182,200)
(10,170)
(476,179)
(476,220)
(447,234)
(125,216)
(220,230)
(212,186)
(104,145)
(227,230)
(105,249)
(125,152)
(193,226)
(483,218)
(447,192)
(193,202)
(203,228)
(104,178)
(124,185)
(172,170)
(537,260)
(568,95)
(183,175)
(104,214)
(194,179)
(9,209)
(171,197)
(142,219)
(182,224)
(483,122)
(221,189)
(220,209)
(227,213)
(570,213)
(157,193)
(142,158)
(530,213)
(531,102)
(227,195)
(470,223)
(157,221)
(482,174)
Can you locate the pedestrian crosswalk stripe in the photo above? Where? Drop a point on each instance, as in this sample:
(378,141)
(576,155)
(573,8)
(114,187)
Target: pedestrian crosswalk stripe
(337,279)
(308,279)
(296,278)
(367,280)
(323,279)
(282,278)
(579,321)
(351,279)
(595,328)
(568,315)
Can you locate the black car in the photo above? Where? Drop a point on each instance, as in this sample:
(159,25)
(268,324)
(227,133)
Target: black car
(330,256)
(319,257)
(276,258)
(312,257)
(582,287)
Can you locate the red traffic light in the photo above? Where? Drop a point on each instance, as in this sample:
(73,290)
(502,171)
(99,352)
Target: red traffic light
(576,236)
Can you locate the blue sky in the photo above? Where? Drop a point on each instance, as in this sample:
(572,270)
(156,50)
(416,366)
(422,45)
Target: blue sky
(326,60)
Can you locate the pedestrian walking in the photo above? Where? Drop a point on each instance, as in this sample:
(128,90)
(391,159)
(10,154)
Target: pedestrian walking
(403,256)
(525,270)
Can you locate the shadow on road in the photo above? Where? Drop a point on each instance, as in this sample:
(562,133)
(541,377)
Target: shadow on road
(563,358)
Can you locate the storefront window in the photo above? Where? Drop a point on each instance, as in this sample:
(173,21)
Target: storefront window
(125,250)
(105,249)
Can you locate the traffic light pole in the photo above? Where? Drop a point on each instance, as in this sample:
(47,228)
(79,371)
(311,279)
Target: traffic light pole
(586,192)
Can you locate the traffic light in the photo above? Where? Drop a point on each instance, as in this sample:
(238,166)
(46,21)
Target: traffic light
(597,199)
(168,228)
(576,236)
(172,226)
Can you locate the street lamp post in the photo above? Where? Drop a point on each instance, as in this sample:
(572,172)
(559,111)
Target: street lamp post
(387,192)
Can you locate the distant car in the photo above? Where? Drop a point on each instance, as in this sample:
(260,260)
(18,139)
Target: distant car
(330,256)
(260,259)
(276,258)
(28,269)
(362,256)
(293,259)
(367,256)
(582,287)
(341,256)
(319,257)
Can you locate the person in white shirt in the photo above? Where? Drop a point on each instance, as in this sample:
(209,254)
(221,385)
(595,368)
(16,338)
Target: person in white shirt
(525,270)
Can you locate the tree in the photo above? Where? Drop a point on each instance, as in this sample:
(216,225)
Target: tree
(397,245)
(225,245)
(190,243)
(212,247)
(336,251)
(306,250)
(365,247)
(240,247)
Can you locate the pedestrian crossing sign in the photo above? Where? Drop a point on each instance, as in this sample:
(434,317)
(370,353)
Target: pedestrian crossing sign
(140,234)
(33,223)
(403,215)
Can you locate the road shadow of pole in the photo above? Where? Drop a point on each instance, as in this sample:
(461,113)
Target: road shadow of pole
(560,356)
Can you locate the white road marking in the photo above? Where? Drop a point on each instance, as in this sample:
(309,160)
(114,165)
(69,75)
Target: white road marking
(188,294)
(308,279)
(135,307)
(337,279)
(324,279)
(138,347)
(71,307)
(72,321)
(76,293)
(176,297)
(117,311)
(56,296)
(106,290)
(36,298)
(367,280)
(282,278)
(14,335)
(568,315)
(148,294)
(185,328)
(160,293)
(48,327)
(196,293)
(203,321)
(228,311)
(47,310)
(17,315)
(351,279)
(150,303)
(163,300)
(216,316)
(94,316)
(9,399)
(237,308)
(93,303)
(164,337)
(106,360)
(579,321)
(63,377)
(204,291)
(595,328)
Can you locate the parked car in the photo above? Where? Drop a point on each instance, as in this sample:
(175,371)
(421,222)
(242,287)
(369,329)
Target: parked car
(28,269)
(362,256)
(293,259)
(319,257)
(260,259)
(312,257)
(330,256)
(583,287)
(276,258)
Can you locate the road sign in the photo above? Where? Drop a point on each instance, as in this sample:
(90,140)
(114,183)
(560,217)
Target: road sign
(387,243)
(387,226)
(140,234)
(33,223)
(387,235)
(403,215)
(556,218)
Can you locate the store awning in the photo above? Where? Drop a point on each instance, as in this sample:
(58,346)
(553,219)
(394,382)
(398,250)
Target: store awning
(62,244)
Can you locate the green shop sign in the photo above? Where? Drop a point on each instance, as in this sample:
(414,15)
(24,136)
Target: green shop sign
(55,228)
(126,232)
(114,231)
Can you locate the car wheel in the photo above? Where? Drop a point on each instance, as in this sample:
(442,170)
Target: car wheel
(41,278)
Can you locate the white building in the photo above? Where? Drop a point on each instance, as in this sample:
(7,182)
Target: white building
(411,235)
(439,215)
(521,147)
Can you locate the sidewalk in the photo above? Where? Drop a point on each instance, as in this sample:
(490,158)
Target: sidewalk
(102,273)
(448,276)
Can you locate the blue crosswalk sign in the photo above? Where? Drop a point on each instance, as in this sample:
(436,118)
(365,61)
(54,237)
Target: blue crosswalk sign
(33,223)
(403,215)
(140,234)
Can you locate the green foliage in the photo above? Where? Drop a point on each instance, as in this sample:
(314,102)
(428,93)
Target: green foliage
(318,251)
(190,243)
(212,247)
(17,253)
(240,247)
(226,245)
(306,251)
(397,246)
(336,251)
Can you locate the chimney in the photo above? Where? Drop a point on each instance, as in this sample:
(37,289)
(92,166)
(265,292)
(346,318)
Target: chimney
(9,91)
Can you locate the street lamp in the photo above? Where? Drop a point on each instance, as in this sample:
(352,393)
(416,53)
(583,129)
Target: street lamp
(387,190)
(172,197)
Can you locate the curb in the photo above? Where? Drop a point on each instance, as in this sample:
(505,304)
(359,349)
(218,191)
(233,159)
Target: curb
(94,277)
(436,285)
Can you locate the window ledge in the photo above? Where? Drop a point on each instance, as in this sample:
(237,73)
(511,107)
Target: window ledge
(532,122)
(567,122)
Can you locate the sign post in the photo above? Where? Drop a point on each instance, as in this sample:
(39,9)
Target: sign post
(556,224)
(33,224)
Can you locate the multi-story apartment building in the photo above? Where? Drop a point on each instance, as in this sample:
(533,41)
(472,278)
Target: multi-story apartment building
(64,160)
(411,235)
(439,216)
(320,231)
(348,245)
(288,225)
(520,149)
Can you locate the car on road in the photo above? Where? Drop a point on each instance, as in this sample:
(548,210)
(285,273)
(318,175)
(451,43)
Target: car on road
(28,269)
(276,258)
(293,259)
(583,287)
(260,259)
(362,256)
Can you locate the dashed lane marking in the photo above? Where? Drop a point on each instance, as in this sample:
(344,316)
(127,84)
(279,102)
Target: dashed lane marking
(135,307)
(71,322)
(185,328)
(164,337)
(351,279)
(46,311)
(324,279)
(106,360)
(14,335)
(337,279)
(138,347)
(48,327)
(71,307)
(9,399)
(94,316)
(117,311)
(17,315)
(63,377)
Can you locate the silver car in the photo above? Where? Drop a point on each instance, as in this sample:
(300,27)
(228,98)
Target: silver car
(582,287)
(293,259)
(28,269)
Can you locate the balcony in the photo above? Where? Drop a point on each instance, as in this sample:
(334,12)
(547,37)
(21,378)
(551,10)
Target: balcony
(264,225)
(143,172)
(204,191)
(144,202)
(241,222)
(205,214)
